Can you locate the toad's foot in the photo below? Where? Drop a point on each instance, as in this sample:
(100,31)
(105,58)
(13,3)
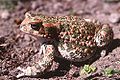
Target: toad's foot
(40,66)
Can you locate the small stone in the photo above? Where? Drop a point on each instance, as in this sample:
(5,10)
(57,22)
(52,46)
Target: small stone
(27,38)
(34,5)
(5,14)
(57,6)
(114,18)
(17,21)
(79,12)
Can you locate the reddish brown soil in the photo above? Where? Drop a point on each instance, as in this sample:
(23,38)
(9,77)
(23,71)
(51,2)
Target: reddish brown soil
(18,48)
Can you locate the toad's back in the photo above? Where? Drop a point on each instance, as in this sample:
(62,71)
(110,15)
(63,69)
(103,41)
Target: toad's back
(76,36)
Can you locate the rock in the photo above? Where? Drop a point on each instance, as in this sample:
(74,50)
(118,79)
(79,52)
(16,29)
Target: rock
(34,5)
(17,21)
(57,6)
(27,37)
(5,14)
(114,17)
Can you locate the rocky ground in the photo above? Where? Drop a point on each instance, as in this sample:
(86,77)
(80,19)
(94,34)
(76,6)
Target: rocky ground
(18,48)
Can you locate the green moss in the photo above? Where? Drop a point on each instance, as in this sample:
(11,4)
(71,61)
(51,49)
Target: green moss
(88,69)
(51,30)
(109,72)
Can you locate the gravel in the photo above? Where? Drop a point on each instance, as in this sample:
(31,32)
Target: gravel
(19,49)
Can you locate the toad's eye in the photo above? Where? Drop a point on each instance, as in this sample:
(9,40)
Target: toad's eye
(36,26)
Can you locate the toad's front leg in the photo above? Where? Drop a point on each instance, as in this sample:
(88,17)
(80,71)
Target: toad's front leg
(42,65)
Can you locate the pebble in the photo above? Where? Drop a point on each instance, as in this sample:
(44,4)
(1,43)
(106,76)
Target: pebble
(34,5)
(57,6)
(5,14)
(27,38)
(17,21)
(114,18)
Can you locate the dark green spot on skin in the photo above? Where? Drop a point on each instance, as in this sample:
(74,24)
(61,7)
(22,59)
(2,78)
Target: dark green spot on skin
(51,31)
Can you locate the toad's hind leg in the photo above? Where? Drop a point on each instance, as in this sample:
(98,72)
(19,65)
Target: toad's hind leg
(41,65)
